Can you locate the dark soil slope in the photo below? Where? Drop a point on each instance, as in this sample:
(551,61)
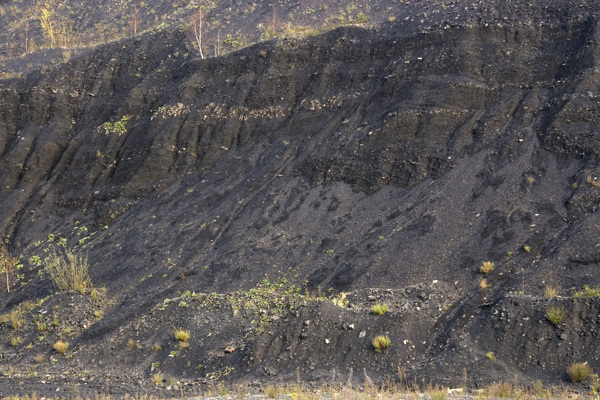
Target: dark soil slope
(399,159)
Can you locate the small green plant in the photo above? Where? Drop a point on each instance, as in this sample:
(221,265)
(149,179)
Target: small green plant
(380,309)
(41,326)
(99,314)
(118,127)
(361,18)
(483,284)
(486,267)
(181,335)
(15,341)
(490,356)
(579,371)
(68,271)
(381,343)
(527,248)
(555,315)
(588,292)
(61,346)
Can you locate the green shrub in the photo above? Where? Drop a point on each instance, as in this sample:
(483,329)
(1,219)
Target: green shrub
(588,292)
(381,343)
(68,271)
(490,356)
(579,371)
(555,315)
(380,309)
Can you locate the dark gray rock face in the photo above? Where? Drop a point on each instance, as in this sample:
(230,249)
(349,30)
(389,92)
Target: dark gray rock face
(357,159)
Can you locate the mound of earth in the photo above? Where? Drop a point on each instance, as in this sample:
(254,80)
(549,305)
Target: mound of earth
(265,200)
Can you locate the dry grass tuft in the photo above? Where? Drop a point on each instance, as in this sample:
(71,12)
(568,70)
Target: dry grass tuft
(61,346)
(501,390)
(579,371)
(68,271)
(181,335)
(158,378)
(486,267)
(381,343)
(550,292)
(555,315)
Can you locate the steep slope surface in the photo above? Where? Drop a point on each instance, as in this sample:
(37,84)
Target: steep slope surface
(398,158)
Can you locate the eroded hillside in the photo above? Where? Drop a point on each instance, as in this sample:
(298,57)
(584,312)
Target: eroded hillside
(399,158)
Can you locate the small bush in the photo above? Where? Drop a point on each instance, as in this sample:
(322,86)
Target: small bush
(182,335)
(381,343)
(68,271)
(486,267)
(490,356)
(38,358)
(483,284)
(61,346)
(15,341)
(588,292)
(579,371)
(156,347)
(555,315)
(527,248)
(380,309)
